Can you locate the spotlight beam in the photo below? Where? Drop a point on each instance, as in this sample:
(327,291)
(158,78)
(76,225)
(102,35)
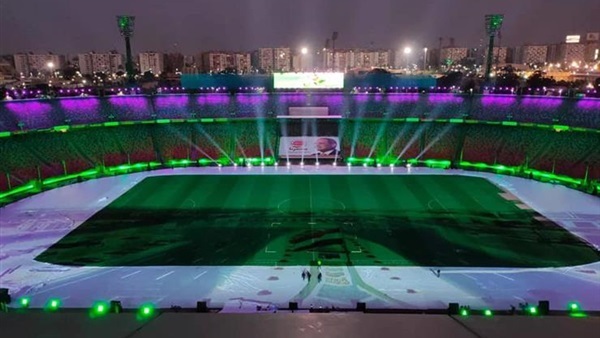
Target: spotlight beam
(411,141)
(214,143)
(435,140)
(380,133)
(355,137)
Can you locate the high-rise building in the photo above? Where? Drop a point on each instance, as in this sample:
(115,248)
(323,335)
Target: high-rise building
(7,72)
(91,63)
(500,55)
(242,62)
(532,54)
(28,64)
(342,60)
(451,55)
(151,62)
(554,53)
(592,47)
(369,58)
(265,60)
(274,59)
(174,62)
(592,52)
(282,59)
(215,61)
(572,52)
(21,64)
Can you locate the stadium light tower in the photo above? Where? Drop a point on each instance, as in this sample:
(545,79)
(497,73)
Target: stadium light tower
(126,25)
(493,23)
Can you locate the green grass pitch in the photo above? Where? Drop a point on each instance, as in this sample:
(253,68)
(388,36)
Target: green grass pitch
(361,220)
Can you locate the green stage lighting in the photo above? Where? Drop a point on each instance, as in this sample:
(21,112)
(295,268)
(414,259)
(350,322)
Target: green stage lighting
(464,312)
(487,313)
(24,302)
(53,304)
(100,308)
(146,311)
(532,310)
(576,311)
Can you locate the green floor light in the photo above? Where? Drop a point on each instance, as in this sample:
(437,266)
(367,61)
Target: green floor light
(487,313)
(533,310)
(24,302)
(464,312)
(53,304)
(146,311)
(574,306)
(100,308)
(576,311)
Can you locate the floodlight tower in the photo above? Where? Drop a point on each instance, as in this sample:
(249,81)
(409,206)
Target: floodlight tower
(126,25)
(493,23)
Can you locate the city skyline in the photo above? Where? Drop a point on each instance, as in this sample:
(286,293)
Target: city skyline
(62,26)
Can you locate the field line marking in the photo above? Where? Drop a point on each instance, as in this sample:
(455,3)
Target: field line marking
(473,278)
(200,275)
(165,275)
(131,274)
(500,275)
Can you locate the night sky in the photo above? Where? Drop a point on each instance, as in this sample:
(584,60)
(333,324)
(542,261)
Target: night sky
(191,26)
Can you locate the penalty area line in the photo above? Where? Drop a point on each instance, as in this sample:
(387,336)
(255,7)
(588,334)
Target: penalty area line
(269,239)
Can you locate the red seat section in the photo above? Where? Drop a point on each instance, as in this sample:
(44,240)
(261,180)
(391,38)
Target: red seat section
(48,170)
(3,181)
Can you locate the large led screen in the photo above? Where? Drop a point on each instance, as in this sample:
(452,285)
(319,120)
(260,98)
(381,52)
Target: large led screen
(309,147)
(308,80)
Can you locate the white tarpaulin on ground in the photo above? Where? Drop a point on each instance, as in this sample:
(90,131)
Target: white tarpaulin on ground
(309,147)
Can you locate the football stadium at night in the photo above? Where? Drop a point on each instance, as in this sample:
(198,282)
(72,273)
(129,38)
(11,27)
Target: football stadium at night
(329,193)
(413,201)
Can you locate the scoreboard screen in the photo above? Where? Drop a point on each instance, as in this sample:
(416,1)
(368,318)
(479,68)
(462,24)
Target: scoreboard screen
(308,80)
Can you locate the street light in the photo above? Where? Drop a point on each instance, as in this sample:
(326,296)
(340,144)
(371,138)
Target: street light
(407,51)
(303,52)
(50,66)
(424,58)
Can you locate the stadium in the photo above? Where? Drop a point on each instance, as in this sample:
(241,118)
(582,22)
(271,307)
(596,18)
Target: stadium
(227,200)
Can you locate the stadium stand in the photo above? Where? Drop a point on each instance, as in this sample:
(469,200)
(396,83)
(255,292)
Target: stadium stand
(41,114)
